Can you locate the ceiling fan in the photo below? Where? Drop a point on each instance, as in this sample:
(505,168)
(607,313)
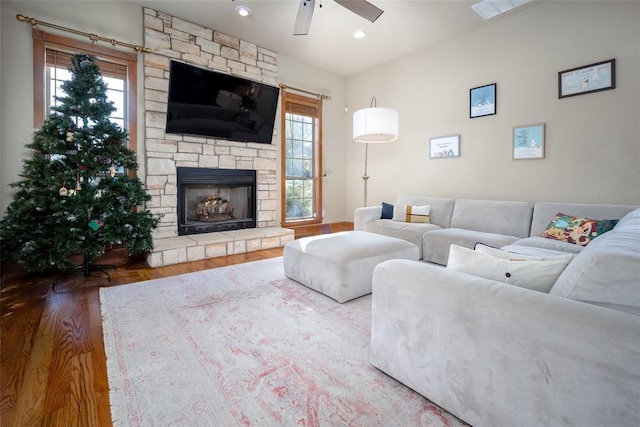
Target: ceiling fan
(360,7)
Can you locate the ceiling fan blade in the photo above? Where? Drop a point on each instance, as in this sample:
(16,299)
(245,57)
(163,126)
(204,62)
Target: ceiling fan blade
(362,7)
(303,20)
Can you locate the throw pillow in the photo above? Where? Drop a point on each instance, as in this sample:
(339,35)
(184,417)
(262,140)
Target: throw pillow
(500,253)
(577,230)
(409,213)
(513,269)
(387,211)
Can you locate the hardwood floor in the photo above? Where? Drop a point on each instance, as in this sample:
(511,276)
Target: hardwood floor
(52,360)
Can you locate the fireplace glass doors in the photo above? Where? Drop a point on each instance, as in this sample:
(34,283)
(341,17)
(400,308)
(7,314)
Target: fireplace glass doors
(212,200)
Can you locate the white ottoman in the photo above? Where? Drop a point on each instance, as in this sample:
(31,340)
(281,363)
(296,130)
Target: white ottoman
(340,265)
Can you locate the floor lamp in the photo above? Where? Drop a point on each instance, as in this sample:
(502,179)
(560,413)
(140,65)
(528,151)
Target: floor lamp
(374,125)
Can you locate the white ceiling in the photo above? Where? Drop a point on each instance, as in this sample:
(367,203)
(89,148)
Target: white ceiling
(406,26)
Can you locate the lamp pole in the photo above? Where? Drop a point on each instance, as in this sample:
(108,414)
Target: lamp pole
(365,177)
(374,125)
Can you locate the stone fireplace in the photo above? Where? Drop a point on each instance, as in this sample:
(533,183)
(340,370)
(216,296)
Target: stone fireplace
(170,37)
(211,200)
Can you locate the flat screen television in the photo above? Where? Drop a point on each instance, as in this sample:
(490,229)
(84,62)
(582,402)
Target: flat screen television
(207,103)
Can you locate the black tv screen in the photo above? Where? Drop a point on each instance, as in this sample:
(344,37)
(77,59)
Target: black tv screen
(208,103)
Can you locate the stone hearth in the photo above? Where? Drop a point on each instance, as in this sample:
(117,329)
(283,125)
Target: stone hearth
(197,247)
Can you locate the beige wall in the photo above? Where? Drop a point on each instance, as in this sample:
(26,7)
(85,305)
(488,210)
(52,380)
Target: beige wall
(592,140)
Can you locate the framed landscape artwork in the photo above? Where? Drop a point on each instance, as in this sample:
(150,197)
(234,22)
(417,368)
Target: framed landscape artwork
(444,146)
(482,101)
(588,78)
(528,142)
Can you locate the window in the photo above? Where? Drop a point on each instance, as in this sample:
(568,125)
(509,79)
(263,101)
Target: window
(114,75)
(51,58)
(301,160)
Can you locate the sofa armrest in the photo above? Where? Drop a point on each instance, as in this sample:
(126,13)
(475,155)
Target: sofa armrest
(496,354)
(363,215)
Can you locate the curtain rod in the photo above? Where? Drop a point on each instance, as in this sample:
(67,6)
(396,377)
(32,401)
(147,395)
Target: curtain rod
(93,37)
(319,95)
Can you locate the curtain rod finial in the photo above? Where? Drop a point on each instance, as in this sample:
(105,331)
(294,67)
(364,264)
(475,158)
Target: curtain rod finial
(20,17)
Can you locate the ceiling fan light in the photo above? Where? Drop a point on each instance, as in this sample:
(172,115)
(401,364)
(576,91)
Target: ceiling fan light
(243,10)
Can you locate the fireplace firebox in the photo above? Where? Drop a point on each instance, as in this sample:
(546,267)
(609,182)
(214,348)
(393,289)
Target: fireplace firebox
(212,200)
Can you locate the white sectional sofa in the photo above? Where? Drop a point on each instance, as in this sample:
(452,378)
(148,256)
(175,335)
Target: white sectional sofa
(368,219)
(465,222)
(496,354)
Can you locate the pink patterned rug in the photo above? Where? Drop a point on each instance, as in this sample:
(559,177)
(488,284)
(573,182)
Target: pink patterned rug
(244,345)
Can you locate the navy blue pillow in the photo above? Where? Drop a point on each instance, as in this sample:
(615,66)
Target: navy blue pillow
(387,211)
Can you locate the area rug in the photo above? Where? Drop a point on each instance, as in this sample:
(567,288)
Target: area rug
(244,345)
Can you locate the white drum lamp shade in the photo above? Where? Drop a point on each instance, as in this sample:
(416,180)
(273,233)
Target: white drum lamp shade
(375,125)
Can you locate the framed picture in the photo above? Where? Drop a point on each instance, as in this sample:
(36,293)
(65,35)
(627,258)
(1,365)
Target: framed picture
(444,146)
(528,142)
(588,78)
(482,101)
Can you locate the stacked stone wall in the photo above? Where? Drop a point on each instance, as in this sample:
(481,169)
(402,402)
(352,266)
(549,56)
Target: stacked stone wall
(170,37)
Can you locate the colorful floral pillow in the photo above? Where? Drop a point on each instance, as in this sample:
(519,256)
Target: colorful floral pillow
(577,230)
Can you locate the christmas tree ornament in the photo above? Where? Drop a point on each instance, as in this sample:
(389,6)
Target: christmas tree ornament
(95,225)
(72,218)
(63,191)
(112,171)
(69,136)
(78,185)
(85,63)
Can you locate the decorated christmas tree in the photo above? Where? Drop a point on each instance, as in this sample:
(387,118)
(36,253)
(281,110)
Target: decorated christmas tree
(76,194)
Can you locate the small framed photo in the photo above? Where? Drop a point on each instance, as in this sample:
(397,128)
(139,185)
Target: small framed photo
(444,146)
(588,78)
(528,142)
(482,101)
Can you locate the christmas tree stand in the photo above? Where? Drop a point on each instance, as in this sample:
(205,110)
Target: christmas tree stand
(86,268)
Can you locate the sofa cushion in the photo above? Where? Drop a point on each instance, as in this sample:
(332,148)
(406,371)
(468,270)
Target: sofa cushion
(607,271)
(435,244)
(495,264)
(543,213)
(577,230)
(549,244)
(511,251)
(491,216)
(410,213)
(411,232)
(536,251)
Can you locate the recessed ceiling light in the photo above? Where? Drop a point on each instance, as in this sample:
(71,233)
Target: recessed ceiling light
(359,34)
(243,10)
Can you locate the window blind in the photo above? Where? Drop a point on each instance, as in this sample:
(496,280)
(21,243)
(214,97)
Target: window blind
(62,59)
